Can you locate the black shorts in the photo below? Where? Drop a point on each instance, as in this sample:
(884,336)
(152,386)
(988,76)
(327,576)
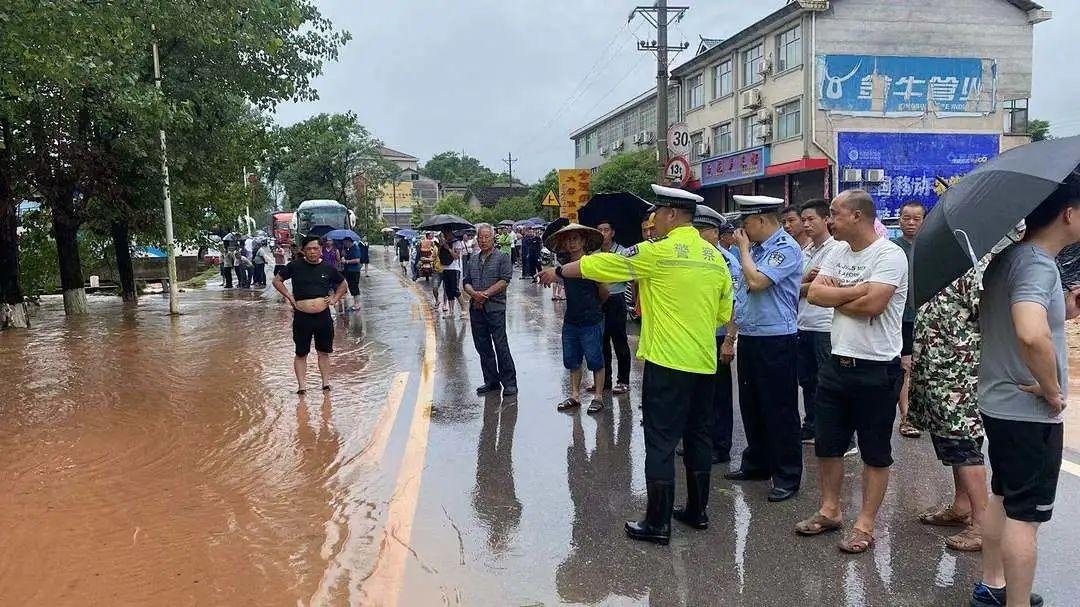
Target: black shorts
(907,333)
(958,451)
(353,280)
(450,284)
(857,396)
(1025,459)
(306,326)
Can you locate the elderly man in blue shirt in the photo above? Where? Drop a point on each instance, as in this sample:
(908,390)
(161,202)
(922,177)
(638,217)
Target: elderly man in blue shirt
(771,264)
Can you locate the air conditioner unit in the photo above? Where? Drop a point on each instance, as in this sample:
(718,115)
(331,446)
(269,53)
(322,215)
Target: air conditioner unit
(603,151)
(852,175)
(703,149)
(765,133)
(646,137)
(639,138)
(618,145)
(764,116)
(875,175)
(766,67)
(751,99)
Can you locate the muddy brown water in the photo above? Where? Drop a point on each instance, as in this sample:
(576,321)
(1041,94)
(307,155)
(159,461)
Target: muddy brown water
(157,461)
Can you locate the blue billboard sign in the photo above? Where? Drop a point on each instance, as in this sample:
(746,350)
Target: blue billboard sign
(916,166)
(901,86)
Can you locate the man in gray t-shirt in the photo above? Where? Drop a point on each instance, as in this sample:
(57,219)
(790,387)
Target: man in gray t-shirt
(1023,378)
(1022,273)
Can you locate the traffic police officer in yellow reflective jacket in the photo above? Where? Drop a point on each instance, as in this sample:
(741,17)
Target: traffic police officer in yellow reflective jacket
(686,292)
(767,348)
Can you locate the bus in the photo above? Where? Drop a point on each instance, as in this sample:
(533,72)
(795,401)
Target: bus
(317,217)
(281,227)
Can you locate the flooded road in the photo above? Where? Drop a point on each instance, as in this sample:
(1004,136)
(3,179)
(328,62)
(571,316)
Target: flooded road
(155,461)
(149,460)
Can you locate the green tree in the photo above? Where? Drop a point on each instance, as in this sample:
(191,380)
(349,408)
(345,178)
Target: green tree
(515,208)
(632,172)
(453,167)
(417,216)
(1039,130)
(453,204)
(550,183)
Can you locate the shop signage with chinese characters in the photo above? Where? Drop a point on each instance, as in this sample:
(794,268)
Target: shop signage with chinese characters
(748,164)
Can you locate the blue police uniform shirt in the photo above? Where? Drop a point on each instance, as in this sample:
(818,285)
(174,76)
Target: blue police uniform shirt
(737,283)
(775,310)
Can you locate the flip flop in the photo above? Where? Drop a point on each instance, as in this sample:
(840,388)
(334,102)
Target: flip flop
(595,406)
(817,524)
(326,388)
(570,403)
(856,541)
(944,516)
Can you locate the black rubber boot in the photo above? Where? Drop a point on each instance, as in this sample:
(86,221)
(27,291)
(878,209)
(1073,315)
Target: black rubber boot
(657,524)
(695,513)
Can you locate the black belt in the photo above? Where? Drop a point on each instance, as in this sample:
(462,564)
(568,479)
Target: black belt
(850,362)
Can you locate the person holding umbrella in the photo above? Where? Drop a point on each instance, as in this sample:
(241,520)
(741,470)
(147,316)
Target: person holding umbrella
(583,319)
(451,250)
(352,262)
(686,289)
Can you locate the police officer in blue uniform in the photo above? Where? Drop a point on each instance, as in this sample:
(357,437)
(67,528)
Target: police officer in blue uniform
(767,347)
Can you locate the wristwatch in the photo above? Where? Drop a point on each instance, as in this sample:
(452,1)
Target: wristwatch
(558,271)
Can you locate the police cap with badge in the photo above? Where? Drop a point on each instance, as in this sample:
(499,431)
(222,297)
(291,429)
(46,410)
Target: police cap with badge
(707,217)
(757,205)
(674,198)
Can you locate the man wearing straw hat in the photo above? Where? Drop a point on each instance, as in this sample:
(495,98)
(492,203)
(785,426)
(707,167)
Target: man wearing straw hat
(583,320)
(686,291)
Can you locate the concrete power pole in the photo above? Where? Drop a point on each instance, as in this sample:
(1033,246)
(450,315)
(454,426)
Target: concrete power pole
(509,161)
(660,15)
(170,242)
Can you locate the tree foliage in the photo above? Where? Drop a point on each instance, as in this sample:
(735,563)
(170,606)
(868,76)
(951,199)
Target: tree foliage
(454,167)
(633,172)
(1039,130)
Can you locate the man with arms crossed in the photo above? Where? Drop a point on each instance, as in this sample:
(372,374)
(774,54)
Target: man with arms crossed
(312,279)
(865,281)
(1023,378)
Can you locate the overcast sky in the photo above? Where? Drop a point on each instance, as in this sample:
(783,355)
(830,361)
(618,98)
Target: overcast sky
(492,77)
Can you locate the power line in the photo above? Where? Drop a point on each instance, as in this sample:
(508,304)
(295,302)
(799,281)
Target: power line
(509,162)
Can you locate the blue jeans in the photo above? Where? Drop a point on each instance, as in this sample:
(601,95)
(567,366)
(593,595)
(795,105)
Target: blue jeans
(583,342)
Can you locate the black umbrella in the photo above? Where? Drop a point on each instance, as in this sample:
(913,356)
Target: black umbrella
(624,211)
(976,213)
(507,223)
(440,223)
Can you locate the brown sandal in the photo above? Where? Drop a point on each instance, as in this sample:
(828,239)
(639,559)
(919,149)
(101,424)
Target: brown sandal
(817,524)
(944,516)
(907,430)
(856,541)
(968,540)
(566,405)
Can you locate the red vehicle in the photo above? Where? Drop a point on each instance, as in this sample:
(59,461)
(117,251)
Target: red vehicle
(281,223)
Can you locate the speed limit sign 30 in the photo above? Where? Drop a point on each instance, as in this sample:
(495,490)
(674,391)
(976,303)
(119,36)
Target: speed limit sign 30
(678,171)
(678,139)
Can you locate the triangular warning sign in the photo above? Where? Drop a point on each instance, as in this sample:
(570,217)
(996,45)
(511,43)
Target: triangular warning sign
(550,200)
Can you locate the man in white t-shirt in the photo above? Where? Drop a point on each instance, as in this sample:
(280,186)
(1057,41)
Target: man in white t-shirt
(865,281)
(451,250)
(814,322)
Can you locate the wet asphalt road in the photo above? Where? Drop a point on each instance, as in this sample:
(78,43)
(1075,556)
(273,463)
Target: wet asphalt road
(153,461)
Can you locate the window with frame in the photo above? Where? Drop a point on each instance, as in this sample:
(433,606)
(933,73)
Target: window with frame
(695,92)
(789,49)
(789,120)
(721,136)
(722,84)
(751,132)
(1016,116)
(625,124)
(577,148)
(695,148)
(648,118)
(590,142)
(752,59)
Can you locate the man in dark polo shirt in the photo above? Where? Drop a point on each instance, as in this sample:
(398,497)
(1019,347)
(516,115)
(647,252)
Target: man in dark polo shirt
(488,274)
(311,299)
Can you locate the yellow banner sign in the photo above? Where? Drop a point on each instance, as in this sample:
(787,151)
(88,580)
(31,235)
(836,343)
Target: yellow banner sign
(573,191)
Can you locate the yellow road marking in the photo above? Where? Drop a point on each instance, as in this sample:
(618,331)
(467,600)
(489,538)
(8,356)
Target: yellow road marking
(371,453)
(383,587)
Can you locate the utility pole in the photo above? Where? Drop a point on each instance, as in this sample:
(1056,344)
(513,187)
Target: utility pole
(170,243)
(509,162)
(660,15)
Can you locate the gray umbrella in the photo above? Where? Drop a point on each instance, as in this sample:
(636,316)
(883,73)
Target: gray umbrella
(976,213)
(440,223)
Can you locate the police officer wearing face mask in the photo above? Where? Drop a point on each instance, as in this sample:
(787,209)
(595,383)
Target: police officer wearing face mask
(771,263)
